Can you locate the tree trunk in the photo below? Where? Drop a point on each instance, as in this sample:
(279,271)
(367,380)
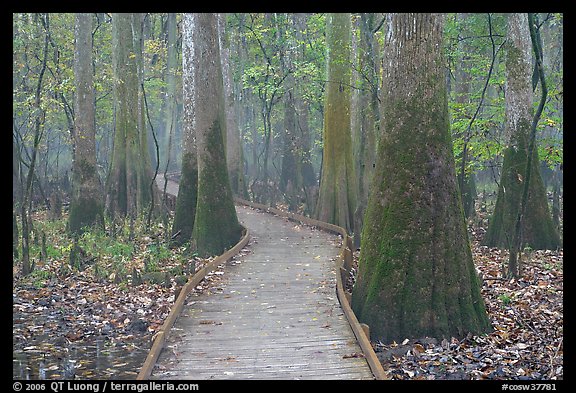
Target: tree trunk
(168,161)
(556,184)
(302,106)
(87,204)
(537,229)
(149,193)
(416,274)
(16,180)
(186,201)
(366,141)
(290,183)
(466,180)
(337,196)
(128,185)
(233,141)
(216,226)
(27,265)
(290,178)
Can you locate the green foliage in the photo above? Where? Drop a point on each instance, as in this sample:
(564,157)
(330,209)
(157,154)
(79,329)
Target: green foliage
(505,299)
(468,44)
(98,244)
(265,72)
(101,254)
(158,252)
(38,278)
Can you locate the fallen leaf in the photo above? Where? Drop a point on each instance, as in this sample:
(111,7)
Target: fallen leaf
(353,355)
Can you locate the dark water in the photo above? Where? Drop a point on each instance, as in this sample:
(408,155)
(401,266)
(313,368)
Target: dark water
(93,358)
(53,339)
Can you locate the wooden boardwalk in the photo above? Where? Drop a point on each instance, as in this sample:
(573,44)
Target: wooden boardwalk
(274,314)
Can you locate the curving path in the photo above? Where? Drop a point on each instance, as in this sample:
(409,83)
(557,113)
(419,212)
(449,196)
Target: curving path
(274,315)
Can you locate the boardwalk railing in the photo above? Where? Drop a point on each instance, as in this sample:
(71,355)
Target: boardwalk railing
(161,336)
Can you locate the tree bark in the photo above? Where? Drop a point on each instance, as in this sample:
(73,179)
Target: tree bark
(128,185)
(216,226)
(337,196)
(87,202)
(186,201)
(538,231)
(416,275)
(369,114)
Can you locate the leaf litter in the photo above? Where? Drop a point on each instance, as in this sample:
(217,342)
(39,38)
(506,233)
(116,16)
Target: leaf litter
(79,324)
(527,317)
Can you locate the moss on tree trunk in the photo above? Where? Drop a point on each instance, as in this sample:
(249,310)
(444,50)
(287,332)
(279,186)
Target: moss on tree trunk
(87,204)
(186,201)
(216,226)
(337,194)
(128,186)
(537,230)
(416,274)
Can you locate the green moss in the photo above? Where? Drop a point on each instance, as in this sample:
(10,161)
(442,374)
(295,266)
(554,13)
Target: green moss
(216,226)
(86,212)
(86,207)
(538,230)
(186,201)
(87,170)
(416,276)
(337,193)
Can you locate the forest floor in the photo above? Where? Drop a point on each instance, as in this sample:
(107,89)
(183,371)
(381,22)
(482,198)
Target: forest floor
(527,317)
(97,320)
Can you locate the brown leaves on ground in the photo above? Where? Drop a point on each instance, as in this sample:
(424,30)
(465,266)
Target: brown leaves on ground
(77,323)
(527,316)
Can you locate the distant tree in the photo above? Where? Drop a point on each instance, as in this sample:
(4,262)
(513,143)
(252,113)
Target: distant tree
(466,180)
(537,230)
(337,195)
(290,173)
(39,117)
(128,184)
(87,202)
(16,182)
(234,150)
(416,275)
(171,109)
(216,225)
(304,133)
